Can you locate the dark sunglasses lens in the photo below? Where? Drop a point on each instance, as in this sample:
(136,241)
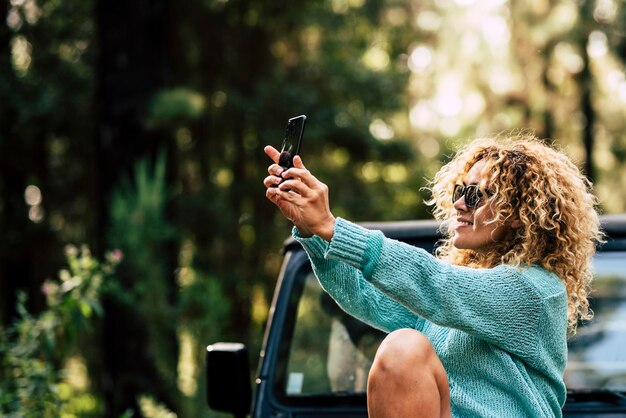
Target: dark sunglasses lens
(472,196)
(457,193)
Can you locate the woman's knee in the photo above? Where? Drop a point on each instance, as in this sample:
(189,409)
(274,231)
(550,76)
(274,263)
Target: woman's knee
(405,346)
(407,376)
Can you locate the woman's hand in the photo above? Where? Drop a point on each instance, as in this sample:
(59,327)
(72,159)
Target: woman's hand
(301,197)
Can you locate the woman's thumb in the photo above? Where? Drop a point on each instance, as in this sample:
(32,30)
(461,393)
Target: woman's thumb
(297,162)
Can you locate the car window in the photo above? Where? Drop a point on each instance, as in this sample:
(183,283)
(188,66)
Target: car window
(331,352)
(597,354)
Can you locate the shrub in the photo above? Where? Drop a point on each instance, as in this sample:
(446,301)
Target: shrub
(35,348)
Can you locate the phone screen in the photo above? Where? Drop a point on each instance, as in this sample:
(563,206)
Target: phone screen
(292,141)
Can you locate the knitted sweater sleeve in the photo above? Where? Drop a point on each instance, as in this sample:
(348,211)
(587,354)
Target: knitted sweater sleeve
(346,285)
(502,305)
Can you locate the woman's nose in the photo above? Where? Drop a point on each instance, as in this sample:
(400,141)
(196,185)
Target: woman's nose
(460,204)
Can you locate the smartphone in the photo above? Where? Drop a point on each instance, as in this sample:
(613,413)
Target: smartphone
(292,141)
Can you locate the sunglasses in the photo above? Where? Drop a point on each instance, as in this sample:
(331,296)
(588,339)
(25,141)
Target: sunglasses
(472,193)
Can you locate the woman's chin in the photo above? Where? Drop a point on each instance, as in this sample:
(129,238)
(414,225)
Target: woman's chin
(458,242)
(463,242)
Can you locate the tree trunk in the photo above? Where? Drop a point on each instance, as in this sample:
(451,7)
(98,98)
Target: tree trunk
(132,66)
(586,107)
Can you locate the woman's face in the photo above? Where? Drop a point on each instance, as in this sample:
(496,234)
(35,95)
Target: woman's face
(472,232)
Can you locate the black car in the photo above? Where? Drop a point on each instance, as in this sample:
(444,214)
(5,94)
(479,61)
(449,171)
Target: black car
(315,358)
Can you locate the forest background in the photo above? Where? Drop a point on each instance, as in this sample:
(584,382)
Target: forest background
(134,224)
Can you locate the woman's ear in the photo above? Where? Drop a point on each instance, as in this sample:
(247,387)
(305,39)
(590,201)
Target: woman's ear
(516,222)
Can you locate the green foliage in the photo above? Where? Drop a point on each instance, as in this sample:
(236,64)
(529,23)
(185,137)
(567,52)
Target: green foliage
(150,408)
(35,348)
(47,65)
(139,227)
(203,318)
(138,218)
(180,317)
(203,308)
(170,107)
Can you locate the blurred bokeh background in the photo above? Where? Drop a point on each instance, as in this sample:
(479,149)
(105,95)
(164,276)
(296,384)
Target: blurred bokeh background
(134,228)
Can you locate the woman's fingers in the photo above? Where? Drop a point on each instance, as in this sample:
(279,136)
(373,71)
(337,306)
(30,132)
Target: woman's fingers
(272,152)
(272,194)
(303,176)
(295,187)
(272,181)
(294,181)
(297,162)
(275,170)
(299,172)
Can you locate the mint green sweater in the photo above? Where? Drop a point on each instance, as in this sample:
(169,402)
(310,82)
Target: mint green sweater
(500,333)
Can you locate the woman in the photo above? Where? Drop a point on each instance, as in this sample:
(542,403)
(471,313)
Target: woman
(479,330)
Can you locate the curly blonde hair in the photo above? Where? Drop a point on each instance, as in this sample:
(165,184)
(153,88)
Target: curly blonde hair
(539,185)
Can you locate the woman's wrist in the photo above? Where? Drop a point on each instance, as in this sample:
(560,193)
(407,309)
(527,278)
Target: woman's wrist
(326,229)
(304,233)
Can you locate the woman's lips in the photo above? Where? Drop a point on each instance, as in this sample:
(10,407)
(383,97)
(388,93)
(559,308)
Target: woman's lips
(461,223)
